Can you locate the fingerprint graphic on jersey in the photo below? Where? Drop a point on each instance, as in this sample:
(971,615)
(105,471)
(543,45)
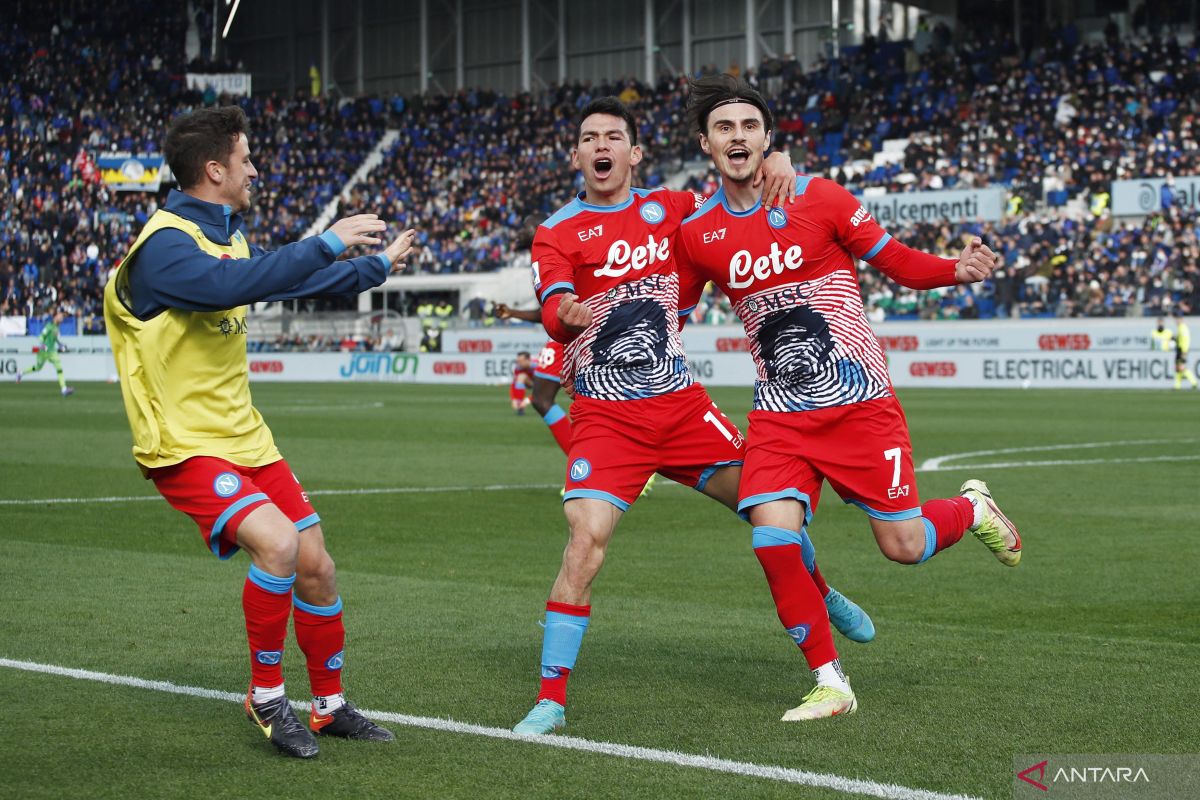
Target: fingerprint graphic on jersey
(816,353)
(795,345)
(634,335)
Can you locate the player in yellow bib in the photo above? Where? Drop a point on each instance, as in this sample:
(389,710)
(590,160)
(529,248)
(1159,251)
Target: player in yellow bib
(1183,346)
(175,311)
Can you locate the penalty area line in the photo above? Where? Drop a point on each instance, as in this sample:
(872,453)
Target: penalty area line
(837,783)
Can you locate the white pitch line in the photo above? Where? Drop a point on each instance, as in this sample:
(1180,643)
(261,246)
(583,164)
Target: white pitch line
(934,464)
(888,791)
(1056,463)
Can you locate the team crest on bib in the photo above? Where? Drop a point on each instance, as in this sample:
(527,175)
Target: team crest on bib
(653,212)
(777,217)
(580,469)
(226,484)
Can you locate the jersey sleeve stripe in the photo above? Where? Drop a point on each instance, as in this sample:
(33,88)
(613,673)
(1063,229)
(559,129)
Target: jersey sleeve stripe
(802,182)
(683,312)
(874,251)
(549,290)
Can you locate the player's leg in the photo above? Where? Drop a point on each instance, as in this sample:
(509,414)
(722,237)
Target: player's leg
(784,550)
(317,613)
(233,512)
(272,542)
(556,419)
(568,611)
(612,454)
(62,378)
(866,456)
(847,616)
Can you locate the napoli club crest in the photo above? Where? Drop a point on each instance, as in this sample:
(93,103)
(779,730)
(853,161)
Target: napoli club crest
(227,484)
(777,217)
(653,212)
(580,469)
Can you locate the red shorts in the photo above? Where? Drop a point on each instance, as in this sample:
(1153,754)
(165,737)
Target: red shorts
(218,495)
(862,449)
(616,445)
(515,393)
(549,362)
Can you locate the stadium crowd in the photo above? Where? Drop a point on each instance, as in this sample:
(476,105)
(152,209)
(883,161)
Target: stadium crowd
(1054,125)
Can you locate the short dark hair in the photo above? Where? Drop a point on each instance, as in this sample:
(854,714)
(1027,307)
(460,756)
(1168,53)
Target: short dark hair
(614,107)
(207,134)
(708,92)
(523,353)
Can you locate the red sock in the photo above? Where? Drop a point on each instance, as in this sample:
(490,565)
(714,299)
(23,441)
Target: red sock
(559,424)
(554,678)
(266,603)
(322,637)
(800,606)
(950,518)
(555,688)
(819,580)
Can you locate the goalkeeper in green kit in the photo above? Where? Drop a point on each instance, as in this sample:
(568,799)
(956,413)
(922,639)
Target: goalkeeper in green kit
(47,350)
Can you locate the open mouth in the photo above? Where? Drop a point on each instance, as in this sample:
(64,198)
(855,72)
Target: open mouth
(603,167)
(738,156)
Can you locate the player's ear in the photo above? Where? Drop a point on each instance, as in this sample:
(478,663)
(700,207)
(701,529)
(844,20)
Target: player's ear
(704,145)
(575,158)
(635,155)
(767,142)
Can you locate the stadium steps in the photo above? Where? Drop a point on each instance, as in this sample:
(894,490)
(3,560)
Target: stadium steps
(373,160)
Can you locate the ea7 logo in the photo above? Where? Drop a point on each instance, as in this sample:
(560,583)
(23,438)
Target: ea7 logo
(897,491)
(591,233)
(860,216)
(714,236)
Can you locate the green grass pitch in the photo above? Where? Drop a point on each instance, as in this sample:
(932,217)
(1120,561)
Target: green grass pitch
(1089,646)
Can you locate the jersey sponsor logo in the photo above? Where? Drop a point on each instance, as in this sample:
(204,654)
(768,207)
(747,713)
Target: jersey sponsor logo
(714,236)
(653,212)
(623,256)
(745,269)
(591,233)
(336,660)
(777,217)
(798,633)
(895,492)
(235,326)
(268,657)
(227,484)
(580,469)
(860,216)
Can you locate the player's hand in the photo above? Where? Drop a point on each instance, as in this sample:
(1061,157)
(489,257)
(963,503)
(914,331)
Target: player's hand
(779,176)
(501,311)
(975,263)
(574,315)
(400,249)
(359,229)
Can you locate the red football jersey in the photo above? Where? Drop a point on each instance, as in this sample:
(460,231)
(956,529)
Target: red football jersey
(791,275)
(620,261)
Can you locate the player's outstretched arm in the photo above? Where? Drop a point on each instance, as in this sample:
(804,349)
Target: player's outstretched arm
(502,311)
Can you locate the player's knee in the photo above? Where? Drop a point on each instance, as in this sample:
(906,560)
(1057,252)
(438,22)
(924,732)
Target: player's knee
(903,549)
(277,554)
(320,571)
